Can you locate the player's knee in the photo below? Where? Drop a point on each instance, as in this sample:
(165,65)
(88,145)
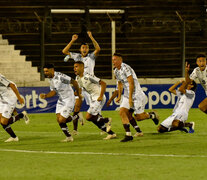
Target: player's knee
(161,129)
(175,123)
(202,107)
(88,117)
(4,121)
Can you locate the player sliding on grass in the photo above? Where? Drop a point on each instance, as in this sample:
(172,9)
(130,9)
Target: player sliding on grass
(95,87)
(60,85)
(186,96)
(8,99)
(200,73)
(89,63)
(132,121)
(134,98)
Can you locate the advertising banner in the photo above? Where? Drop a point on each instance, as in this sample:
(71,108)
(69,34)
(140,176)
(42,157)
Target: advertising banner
(158,96)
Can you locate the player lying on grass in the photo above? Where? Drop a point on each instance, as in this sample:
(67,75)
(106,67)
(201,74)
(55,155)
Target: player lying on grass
(177,121)
(8,99)
(60,85)
(133,97)
(132,121)
(95,87)
(89,63)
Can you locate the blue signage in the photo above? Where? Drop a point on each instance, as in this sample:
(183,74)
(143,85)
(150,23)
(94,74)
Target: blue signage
(158,96)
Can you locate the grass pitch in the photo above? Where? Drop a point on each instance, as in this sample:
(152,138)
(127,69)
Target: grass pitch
(40,155)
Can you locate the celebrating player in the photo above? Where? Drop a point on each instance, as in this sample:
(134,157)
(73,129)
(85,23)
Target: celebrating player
(8,99)
(200,73)
(95,87)
(177,121)
(60,85)
(133,98)
(89,63)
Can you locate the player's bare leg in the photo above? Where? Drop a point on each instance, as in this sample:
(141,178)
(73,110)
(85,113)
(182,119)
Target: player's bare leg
(100,123)
(125,121)
(203,106)
(145,115)
(62,123)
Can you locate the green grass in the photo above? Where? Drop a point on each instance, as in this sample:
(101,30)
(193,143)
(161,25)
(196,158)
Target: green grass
(144,158)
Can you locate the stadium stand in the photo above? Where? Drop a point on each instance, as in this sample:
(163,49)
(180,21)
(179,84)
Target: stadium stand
(148,34)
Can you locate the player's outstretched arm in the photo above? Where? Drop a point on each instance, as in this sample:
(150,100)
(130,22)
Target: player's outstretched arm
(48,95)
(67,48)
(187,77)
(103,89)
(131,89)
(95,44)
(14,88)
(172,88)
(76,86)
(115,93)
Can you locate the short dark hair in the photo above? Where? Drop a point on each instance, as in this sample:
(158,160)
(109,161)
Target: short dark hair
(194,86)
(118,54)
(84,43)
(79,62)
(200,55)
(49,66)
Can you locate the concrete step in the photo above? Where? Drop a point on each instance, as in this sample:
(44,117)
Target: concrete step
(21,70)
(4,42)
(4,52)
(15,64)
(12,58)
(6,47)
(23,77)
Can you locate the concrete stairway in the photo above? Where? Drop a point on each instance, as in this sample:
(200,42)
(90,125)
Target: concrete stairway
(15,67)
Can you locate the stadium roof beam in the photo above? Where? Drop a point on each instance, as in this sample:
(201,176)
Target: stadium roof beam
(92,11)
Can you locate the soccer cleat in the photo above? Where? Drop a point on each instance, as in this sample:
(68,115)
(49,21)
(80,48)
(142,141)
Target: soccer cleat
(74,132)
(68,139)
(155,117)
(127,138)
(110,136)
(108,125)
(11,139)
(191,129)
(25,117)
(138,134)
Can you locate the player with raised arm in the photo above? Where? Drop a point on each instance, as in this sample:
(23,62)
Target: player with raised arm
(186,96)
(60,85)
(95,87)
(89,63)
(133,98)
(200,73)
(9,95)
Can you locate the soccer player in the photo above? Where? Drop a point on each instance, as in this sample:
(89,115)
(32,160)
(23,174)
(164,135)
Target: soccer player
(95,87)
(177,121)
(89,64)
(60,85)
(200,73)
(133,97)
(8,99)
(132,121)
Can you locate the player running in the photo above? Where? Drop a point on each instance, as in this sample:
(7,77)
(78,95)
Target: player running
(89,63)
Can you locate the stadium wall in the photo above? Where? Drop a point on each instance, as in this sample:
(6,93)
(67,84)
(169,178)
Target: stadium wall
(156,91)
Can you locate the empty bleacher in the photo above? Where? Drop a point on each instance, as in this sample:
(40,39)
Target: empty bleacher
(148,34)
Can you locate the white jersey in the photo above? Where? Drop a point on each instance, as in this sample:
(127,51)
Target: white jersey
(89,61)
(60,83)
(5,90)
(122,75)
(90,84)
(184,102)
(201,75)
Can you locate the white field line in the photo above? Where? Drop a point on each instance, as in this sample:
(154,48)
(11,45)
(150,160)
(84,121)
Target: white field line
(101,153)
